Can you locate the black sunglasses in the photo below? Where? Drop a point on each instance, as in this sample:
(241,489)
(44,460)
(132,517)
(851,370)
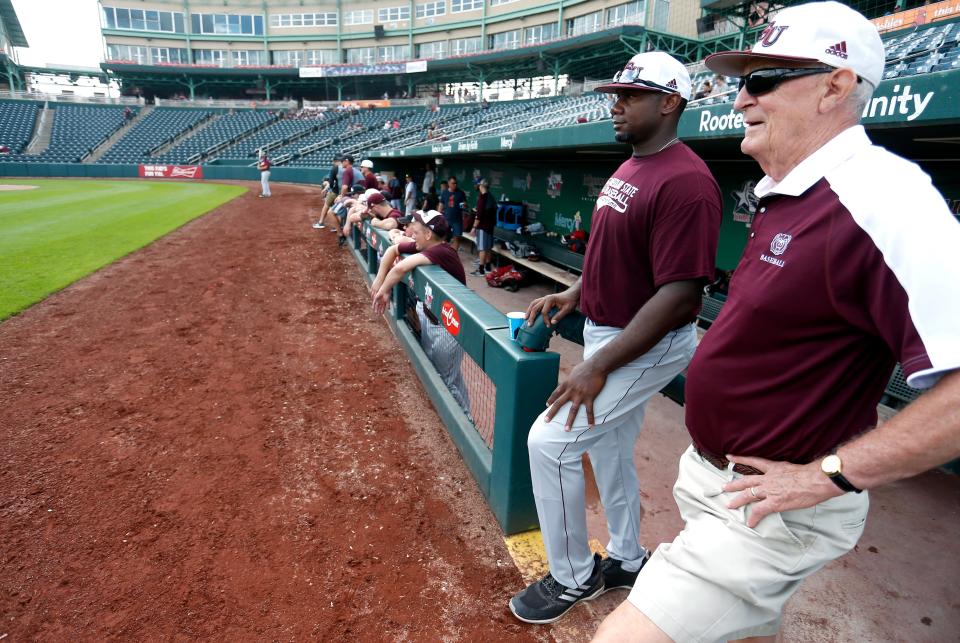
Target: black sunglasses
(764,81)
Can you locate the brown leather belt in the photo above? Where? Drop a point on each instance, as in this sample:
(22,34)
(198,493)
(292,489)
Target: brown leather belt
(723,463)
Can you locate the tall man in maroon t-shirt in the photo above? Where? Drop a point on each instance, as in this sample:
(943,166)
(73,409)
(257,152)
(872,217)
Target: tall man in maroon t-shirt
(652,247)
(835,285)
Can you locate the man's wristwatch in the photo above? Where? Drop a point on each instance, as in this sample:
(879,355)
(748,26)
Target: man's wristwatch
(832,466)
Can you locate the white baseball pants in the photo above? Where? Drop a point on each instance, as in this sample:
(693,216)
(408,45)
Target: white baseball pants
(557,469)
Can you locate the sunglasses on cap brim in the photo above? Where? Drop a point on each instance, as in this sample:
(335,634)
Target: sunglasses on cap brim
(631,76)
(764,81)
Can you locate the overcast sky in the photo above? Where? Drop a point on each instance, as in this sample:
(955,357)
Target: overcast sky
(60,32)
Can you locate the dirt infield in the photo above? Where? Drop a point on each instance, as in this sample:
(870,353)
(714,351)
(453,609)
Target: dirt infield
(213,438)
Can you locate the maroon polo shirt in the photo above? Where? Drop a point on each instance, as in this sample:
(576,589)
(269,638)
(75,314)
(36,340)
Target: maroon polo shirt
(439,255)
(835,280)
(657,220)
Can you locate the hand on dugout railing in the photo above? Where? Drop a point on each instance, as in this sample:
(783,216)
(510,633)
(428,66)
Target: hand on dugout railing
(564,303)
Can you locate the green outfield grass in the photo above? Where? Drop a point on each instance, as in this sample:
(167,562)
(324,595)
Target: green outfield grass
(63,230)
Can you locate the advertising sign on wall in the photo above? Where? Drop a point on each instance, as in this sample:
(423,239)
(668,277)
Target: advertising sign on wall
(171,171)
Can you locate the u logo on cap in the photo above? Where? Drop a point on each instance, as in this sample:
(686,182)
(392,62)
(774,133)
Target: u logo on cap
(771,34)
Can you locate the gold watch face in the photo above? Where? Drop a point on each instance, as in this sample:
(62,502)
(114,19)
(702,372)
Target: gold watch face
(831,465)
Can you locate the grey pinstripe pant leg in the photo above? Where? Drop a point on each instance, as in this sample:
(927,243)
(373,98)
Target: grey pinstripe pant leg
(557,469)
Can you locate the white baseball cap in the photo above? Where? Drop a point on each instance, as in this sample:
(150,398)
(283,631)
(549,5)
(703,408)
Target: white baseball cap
(366,163)
(653,71)
(366,195)
(827,32)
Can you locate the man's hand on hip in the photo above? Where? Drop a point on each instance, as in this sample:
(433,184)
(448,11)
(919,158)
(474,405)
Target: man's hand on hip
(581,388)
(782,487)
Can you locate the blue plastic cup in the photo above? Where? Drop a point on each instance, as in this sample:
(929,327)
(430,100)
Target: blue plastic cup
(516,321)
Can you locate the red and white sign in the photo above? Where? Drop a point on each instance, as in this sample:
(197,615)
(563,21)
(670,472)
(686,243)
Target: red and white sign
(171,171)
(373,240)
(451,318)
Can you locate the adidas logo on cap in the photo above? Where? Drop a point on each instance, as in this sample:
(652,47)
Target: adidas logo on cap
(839,50)
(672,84)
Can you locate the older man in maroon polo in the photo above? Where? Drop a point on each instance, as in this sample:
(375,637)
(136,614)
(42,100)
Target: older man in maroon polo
(839,280)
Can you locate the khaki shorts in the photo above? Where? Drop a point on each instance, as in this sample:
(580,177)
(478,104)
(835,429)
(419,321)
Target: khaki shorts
(331,196)
(720,580)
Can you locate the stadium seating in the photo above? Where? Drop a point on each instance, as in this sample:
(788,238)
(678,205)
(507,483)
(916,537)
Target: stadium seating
(224,129)
(77,130)
(17,120)
(159,126)
(277,132)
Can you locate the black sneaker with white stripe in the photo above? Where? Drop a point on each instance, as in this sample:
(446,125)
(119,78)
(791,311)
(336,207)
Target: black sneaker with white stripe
(547,600)
(615,577)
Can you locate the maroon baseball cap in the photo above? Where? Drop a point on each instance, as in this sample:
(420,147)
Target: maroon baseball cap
(433,220)
(375,198)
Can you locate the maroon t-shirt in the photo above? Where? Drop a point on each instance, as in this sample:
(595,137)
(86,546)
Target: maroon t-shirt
(394,214)
(439,255)
(370,181)
(657,220)
(801,352)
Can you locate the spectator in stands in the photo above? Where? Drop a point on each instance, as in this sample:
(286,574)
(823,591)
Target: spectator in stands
(834,287)
(127,114)
(369,179)
(410,195)
(264,166)
(706,89)
(484,224)
(453,202)
(396,124)
(429,230)
(653,243)
(428,179)
(4,149)
(385,216)
(720,85)
(388,124)
(330,194)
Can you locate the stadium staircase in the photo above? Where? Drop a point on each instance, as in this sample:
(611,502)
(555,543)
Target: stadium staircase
(42,132)
(108,144)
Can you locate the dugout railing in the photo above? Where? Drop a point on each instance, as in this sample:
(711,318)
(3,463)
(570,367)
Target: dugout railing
(522,381)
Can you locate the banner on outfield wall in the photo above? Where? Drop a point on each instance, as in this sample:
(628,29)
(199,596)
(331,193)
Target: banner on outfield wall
(171,171)
(919,16)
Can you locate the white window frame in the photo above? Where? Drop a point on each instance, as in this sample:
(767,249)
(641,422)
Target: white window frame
(508,40)
(433,53)
(575,26)
(534,35)
(432,9)
(462,6)
(393,14)
(322,57)
(615,19)
(367,57)
(358,17)
(459,46)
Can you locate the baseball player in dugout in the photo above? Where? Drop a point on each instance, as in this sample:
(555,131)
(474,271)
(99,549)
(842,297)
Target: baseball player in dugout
(263,164)
(838,281)
(653,243)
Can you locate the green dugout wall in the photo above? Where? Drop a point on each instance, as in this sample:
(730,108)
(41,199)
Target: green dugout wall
(555,191)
